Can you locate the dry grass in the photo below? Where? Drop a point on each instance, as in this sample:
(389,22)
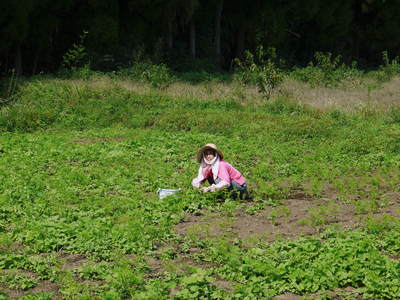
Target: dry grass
(346,98)
(349,98)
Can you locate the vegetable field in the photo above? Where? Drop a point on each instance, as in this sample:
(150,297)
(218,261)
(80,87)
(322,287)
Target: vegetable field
(80,218)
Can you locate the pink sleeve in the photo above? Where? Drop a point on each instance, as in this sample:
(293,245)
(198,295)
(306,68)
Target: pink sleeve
(228,173)
(223,172)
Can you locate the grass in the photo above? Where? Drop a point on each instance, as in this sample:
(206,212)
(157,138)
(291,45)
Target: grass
(81,161)
(368,94)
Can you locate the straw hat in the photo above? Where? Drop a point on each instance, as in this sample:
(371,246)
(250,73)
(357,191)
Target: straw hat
(199,155)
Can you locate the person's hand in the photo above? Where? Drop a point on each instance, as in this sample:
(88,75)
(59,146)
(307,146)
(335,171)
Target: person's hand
(211,188)
(205,189)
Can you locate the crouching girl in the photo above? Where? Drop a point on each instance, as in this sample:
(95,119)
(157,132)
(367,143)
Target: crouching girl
(217,172)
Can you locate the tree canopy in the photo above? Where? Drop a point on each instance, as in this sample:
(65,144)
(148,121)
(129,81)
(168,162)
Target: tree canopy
(35,34)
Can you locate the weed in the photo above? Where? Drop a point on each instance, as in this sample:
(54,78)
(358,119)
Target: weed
(18,281)
(92,271)
(281,211)
(255,208)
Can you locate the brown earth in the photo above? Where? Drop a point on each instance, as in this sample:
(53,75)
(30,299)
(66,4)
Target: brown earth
(340,293)
(72,261)
(69,262)
(43,286)
(293,219)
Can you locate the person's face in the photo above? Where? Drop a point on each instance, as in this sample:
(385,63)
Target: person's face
(209,155)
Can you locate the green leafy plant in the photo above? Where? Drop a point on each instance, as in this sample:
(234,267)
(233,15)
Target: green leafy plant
(389,68)
(196,286)
(18,281)
(38,296)
(94,271)
(158,75)
(260,69)
(328,70)
(77,55)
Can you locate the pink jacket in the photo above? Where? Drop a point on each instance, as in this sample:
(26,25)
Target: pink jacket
(228,173)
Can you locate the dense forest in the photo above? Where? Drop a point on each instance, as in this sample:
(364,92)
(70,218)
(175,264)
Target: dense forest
(36,34)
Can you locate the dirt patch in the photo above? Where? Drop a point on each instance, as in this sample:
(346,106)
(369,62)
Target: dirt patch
(293,219)
(340,293)
(14,247)
(181,264)
(223,285)
(156,267)
(96,140)
(392,197)
(72,261)
(43,286)
(288,296)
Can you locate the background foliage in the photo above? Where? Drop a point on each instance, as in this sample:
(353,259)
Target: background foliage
(37,34)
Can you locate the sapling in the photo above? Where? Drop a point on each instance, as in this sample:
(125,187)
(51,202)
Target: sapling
(260,69)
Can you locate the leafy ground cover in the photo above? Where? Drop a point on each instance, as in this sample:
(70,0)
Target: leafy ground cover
(80,217)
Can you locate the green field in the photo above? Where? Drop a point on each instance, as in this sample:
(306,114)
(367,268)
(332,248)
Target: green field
(80,164)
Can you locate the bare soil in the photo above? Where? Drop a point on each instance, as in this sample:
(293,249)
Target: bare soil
(293,219)
(341,293)
(72,261)
(43,286)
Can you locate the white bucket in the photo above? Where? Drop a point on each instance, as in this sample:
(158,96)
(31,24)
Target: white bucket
(162,193)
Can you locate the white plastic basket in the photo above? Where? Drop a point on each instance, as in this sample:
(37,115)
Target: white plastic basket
(162,193)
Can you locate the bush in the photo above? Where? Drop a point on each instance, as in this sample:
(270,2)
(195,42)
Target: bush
(388,69)
(328,71)
(158,75)
(260,69)
(76,57)
(84,72)
(76,63)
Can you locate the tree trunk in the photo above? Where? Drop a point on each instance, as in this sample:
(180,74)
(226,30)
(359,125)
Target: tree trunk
(240,39)
(35,62)
(192,39)
(170,43)
(217,38)
(7,61)
(18,61)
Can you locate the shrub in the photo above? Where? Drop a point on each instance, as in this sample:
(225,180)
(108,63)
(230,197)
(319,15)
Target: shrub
(76,56)
(84,72)
(260,70)
(388,69)
(76,63)
(327,70)
(158,75)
